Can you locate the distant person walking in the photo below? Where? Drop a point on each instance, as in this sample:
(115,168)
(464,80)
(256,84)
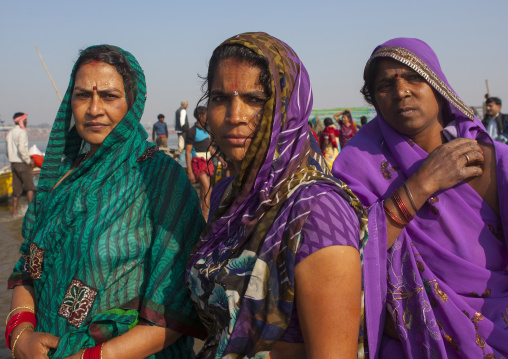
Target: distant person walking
(181,125)
(17,152)
(160,132)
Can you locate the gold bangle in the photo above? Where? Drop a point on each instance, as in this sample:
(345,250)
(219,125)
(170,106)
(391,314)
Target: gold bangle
(16,340)
(82,354)
(12,311)
(101,348)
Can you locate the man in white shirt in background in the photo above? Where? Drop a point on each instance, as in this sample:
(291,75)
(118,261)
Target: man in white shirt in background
(181,125)
(17,152)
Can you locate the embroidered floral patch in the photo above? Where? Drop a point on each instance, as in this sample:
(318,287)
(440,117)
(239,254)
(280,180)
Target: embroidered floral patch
(451,342)
(386,168)
(77,302)
(442,295)
(36,259)
(26,265)
(149,153)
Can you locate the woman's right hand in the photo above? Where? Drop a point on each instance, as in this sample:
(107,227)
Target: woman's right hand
(35,345)
(191,177)
(448,165)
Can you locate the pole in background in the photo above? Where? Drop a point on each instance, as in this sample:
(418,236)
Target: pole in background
(45,68)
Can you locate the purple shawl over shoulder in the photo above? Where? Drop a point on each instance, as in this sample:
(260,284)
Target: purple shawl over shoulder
(444,281)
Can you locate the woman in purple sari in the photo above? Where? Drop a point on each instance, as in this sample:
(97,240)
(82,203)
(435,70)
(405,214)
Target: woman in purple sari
(276,272)
(435,268)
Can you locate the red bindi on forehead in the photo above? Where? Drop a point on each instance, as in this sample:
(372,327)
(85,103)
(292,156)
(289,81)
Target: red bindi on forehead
(396,75)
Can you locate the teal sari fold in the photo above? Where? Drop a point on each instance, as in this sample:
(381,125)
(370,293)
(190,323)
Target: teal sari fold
(106,249)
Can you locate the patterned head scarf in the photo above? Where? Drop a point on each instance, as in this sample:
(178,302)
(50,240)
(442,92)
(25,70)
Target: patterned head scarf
(279,158)
(420,57)
(279,165)
(65,145)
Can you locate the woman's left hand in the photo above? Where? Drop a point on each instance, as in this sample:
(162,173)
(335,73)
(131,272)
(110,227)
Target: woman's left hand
(77,355)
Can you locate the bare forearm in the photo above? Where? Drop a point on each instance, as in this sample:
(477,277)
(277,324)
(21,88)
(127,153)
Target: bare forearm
(23,297)
(188,151)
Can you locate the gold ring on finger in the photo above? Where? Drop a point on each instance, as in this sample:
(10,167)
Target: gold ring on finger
(467,158)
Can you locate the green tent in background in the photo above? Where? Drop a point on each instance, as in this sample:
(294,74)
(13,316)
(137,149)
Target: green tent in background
(356,112)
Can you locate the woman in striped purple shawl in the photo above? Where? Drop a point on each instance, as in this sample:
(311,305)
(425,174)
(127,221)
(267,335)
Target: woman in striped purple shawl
(277,271)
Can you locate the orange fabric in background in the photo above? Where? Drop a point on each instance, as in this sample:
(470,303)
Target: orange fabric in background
(37,160)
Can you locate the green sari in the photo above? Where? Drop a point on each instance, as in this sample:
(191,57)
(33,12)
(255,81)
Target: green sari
(106,249)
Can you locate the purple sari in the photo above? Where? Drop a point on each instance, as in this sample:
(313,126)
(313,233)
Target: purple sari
(444,281)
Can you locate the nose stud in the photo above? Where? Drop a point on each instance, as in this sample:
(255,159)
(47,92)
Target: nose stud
(407,91)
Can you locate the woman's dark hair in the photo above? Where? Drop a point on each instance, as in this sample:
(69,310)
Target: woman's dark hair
(17,114)
(367,89)
(240,53)
(111,56)
(347,113)
(199,111)
(328,121)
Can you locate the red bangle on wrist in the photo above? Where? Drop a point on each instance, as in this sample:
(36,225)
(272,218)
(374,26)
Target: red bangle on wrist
(394,217)
(16,320)
(93,353)
(402,206)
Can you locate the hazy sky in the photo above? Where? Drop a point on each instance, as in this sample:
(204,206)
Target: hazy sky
(174,40)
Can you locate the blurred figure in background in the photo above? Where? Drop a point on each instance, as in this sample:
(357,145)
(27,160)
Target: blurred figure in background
(160,132)
(181,125)
(329,146)
(347,126)
(200,167)
(17,152)
(494,121)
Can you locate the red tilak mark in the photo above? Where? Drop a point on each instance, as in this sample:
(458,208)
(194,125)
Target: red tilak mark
(234,86)
(95,88)
(396,75)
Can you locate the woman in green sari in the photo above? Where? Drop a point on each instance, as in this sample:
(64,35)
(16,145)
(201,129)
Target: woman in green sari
(108,235)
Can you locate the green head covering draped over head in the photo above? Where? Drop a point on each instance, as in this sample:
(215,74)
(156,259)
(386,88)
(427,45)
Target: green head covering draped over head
(106,249)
